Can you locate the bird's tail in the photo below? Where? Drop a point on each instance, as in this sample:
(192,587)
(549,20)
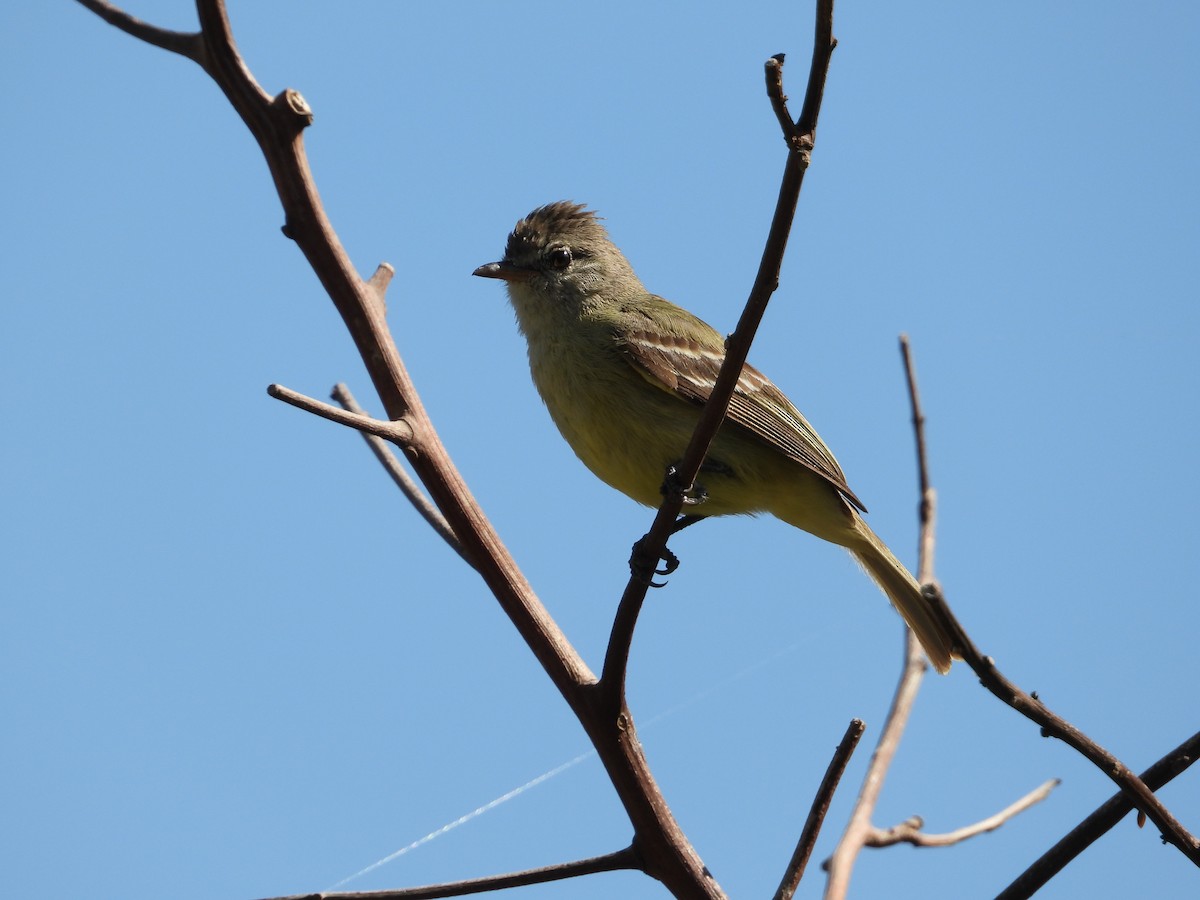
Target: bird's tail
(904,592)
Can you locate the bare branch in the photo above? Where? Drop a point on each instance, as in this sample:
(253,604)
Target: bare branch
(994,681)
(650,548)
(277,124)
(824,43)
(820,806)
(774,72)
(399,432)
(394,468)
(185,43)
(928,511)
(610,862)
(859,828)
(1099,822)
(909,832)
(1053,725)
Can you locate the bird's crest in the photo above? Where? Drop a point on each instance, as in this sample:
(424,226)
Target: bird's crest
(563,219)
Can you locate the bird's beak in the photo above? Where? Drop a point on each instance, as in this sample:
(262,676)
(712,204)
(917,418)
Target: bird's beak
(505,271)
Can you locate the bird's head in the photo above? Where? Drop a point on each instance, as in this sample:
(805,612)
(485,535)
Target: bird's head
(559,259)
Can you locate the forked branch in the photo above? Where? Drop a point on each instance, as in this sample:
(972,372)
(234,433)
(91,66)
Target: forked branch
(1029,705)
(277,124)
(910,831)
(1099,822)
(1053,725)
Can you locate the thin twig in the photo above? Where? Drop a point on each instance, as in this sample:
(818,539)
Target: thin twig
(820,806)
(1099,822)
(774,73)
(737,348)
(610,862)
(928,510)
(858,829)
(910,832)
(399,432)
(400,477)
(185,43)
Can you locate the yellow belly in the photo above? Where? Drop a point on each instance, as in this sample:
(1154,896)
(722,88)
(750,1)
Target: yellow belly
(628,431)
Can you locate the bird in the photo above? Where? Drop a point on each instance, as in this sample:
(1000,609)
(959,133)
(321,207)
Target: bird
(625,373)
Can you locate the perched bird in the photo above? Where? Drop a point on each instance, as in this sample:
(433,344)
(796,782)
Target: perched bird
(625,373)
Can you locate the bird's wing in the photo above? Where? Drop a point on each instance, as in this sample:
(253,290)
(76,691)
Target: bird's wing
(688,369)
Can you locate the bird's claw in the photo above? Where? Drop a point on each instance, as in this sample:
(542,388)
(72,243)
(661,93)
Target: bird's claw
(671,560)
(643,569)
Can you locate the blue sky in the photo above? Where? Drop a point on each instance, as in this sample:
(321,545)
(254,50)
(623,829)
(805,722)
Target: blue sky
(235,664)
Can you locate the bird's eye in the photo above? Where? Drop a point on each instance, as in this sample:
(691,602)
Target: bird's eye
(559,257)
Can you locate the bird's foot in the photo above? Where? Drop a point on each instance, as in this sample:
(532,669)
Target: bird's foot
(644,568)
(687,494)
